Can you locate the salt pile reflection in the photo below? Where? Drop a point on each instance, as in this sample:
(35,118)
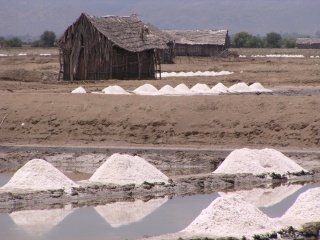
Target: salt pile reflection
(124,213)
(39,222)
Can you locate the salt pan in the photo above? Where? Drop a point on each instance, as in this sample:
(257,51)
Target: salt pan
(79,90)
(114,90)
(231,216)
(38,175)
(257,162)
(125,169)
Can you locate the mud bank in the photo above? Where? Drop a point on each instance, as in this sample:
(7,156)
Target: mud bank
(89,194)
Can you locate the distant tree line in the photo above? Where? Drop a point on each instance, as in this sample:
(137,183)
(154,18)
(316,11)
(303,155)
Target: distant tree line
(271,40)
(47,39)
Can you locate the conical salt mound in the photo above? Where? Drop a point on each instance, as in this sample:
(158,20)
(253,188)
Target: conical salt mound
(115,90)
(257,162)
(239,87)
(79,90)
(124,213)
(146,89)
(231,216)
(305,209)
(38,175)
(220,88)
(125,169)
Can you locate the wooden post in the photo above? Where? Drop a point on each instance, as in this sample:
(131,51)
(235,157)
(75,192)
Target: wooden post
(139,66)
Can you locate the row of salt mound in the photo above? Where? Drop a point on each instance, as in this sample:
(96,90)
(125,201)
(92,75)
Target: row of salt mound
(193,74)
(124,169)
(305,209)
(181,89)
(39,175)
(257,162)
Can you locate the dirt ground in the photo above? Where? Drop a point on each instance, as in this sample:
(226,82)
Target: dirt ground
(37,109)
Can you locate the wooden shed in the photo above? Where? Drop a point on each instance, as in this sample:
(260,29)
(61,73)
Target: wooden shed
(199,42)
(307,43)
(110,47)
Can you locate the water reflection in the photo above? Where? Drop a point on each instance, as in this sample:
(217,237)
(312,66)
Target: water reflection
(39,222)
(133,220)
(125,213)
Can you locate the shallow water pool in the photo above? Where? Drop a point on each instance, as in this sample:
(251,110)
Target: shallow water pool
(132,220)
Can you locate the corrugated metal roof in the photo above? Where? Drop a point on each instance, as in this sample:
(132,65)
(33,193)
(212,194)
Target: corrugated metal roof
(199,37)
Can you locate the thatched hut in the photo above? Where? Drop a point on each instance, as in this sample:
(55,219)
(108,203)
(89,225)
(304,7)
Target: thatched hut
(307,43)
(110,47)
(200,42)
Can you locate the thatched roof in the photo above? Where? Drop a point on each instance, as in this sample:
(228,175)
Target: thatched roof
(129,32)
(199,37)
(308,41)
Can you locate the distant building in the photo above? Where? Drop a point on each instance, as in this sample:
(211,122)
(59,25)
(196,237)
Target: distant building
(305,43)
(199,42)
(110,47)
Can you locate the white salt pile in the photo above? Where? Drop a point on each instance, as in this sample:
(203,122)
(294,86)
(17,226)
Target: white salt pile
(200,88)
(79,90)
(146,89)
(38,175)
(168,90)
(3,55)
(115,90)
(45,54)
(266,197)
(230,216)
(257,162)
(305,209)
(124,213)
(219,88)
(22,54)
(239,88)
(193,74)
(125,169)
(39,222)
(257,87)
(183,89)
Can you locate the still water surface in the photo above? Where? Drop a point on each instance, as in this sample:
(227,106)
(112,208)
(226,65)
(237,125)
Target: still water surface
(128,221)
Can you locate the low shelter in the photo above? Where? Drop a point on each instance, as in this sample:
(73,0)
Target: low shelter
(200,42)
(110,47)
(306,43)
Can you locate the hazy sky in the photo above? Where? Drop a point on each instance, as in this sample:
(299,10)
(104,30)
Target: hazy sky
(21,17)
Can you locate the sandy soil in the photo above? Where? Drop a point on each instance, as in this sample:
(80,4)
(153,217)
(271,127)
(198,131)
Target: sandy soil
(36,109)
